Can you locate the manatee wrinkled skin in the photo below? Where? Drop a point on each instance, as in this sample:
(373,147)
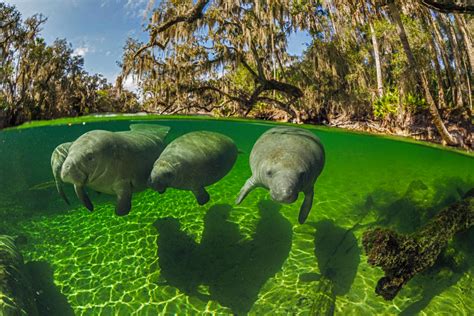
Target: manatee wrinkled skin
(192,162)
(286,161)
(115,163)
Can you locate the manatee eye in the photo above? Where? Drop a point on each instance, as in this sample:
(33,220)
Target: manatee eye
(90,157)
(166,174)
(269,173)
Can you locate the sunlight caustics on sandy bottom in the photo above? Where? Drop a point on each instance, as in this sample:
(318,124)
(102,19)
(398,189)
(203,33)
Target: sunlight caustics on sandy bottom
(171,255)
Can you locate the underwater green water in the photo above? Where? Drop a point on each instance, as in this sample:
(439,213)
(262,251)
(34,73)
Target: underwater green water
(170,255)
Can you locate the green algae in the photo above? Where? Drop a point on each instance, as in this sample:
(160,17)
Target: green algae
(104,264)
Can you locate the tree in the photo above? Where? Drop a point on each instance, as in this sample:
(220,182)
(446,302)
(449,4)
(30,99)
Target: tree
(41,81)
(420,76)
(205,39)
(461,6)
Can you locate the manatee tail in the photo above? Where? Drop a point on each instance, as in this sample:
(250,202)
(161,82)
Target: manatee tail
(158,130)
(57,159)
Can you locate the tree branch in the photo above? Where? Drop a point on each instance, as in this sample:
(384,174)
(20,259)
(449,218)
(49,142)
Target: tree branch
(261,74)
(448,6)
(195,13)
(149,45)
(192,15)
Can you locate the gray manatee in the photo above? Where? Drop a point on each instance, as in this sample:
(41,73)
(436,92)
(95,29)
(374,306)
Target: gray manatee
(286,160)
(57,160)
(115,163)
(192,162)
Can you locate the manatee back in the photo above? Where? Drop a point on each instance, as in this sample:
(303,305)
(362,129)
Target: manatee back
(155,130)
(203,157)
(147,135)
(121,156)
(288,146)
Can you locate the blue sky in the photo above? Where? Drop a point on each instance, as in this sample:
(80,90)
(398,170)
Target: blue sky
(97,29)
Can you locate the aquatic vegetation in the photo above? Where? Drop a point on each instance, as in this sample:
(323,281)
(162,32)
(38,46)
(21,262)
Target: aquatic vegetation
(16,294)
(402,257)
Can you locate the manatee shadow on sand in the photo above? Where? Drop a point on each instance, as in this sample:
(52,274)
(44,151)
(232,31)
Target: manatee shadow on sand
(49,300)
(233,268)
(418,204)
(338,257)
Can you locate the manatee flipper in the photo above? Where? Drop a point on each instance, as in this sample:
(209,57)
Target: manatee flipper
(83,197)
(57,159)
(201,195)
(124,200)
(306,206)
(248,186)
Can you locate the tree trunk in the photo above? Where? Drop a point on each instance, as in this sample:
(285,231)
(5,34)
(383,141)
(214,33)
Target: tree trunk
(438,122)
(378,66)
(437,66)
(457,58)
(444,56)
(439,77)
(461,24)
(467,39)
(462,6)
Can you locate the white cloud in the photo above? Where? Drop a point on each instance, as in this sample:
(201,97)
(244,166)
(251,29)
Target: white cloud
(86,45)
(131,84)
(137,8)
(80,51)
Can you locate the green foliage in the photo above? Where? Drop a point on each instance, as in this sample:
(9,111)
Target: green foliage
(413,102)
(391,102)
(241,79)
(41,81)
(386,105)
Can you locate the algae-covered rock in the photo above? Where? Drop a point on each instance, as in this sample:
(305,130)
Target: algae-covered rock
(16,293)
(403,256)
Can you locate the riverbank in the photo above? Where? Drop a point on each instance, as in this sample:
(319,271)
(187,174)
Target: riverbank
(356,128)
(416,132)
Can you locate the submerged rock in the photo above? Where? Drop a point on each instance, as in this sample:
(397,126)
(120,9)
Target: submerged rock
(403,256)
(16,293)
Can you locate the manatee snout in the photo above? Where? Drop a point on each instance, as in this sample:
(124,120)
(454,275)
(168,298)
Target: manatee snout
(156,181)
(71,174)
(284,193)
(156,185)
(284,186)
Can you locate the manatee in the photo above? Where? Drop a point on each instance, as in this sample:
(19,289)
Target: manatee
(192,162)
(115,163)
(57,160)
(286,161)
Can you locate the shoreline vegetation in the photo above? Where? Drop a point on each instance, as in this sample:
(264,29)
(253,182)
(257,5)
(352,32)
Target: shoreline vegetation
(391,67)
